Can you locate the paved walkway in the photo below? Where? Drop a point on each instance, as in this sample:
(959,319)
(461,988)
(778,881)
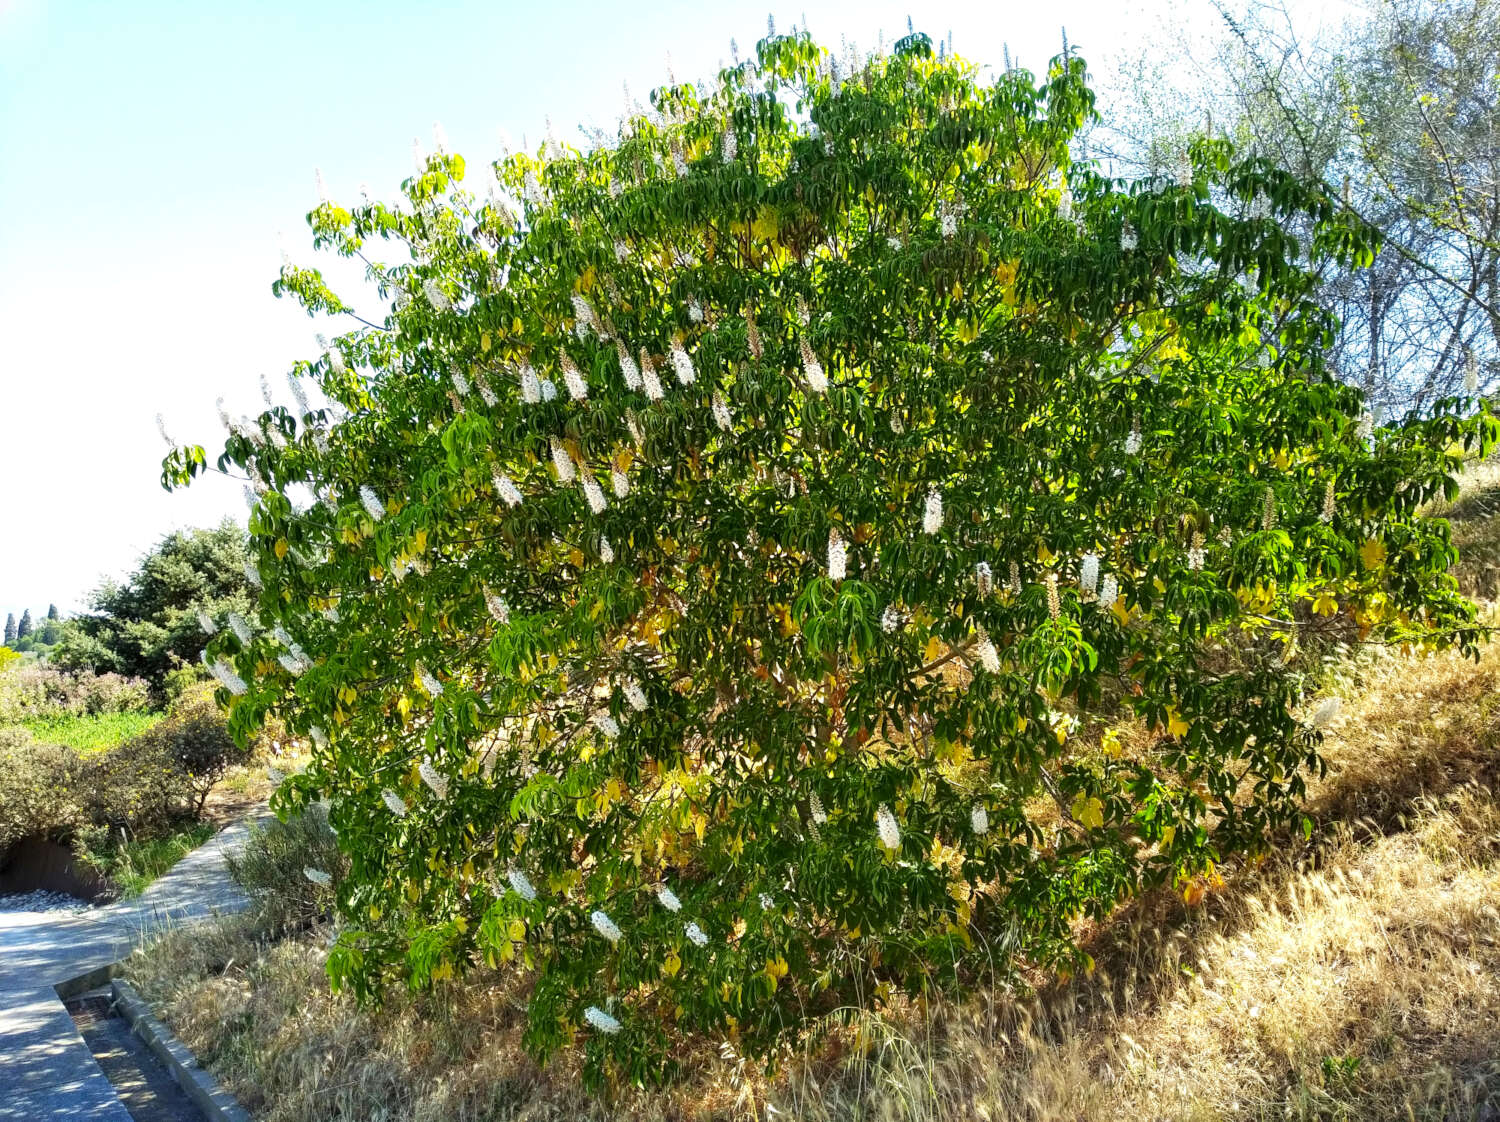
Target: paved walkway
(46,1070)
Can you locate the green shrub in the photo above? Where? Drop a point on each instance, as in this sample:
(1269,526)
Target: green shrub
(39,788)
(272,869)
(42,692)
(196,743)
(144,789)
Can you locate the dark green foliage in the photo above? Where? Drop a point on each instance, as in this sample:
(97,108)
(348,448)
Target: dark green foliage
(23,629)
(10,629)
(148,625)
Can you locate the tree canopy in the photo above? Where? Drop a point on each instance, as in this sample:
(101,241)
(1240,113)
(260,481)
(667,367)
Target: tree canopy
(149,624)
(736,545)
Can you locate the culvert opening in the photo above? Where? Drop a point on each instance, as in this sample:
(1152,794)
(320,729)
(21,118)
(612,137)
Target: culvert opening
(145,1086)
(40,864)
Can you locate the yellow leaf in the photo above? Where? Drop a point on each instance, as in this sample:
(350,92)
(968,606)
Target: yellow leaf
(1282,460)
(1192,893)
(485,342)
(934,648)
(516,930)
(1167,834)
(1176,726)
(1110,745)
(419,542)
(1325,604)
(1372,553)
(1120,612)
(280,548)
(672,964)
(443,972)
(1088,811)
(1045,555)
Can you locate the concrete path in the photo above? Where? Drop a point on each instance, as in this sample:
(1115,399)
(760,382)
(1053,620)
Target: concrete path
(46,1070)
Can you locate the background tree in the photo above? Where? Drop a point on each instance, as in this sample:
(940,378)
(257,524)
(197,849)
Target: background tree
(149,624)
(728,573)
(52,611)
(1397,110)
(23,629)
(10,629)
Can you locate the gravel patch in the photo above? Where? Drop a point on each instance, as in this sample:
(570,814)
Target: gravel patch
(40,901)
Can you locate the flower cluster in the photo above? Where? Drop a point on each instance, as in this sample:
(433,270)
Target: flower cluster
(496,606)
(317,877)
(225,673)
(592,492)
(605,926)
(1195,555)
(601,1020)
(506,489)
(984,649)
(649,380)
(520,885)
(562,462)
(932,512)
(394,803)
(433,687)
(434,779)
(240,628)
(886,828)
(682,365)
(578,389)
(1088,575)
(838,555)
(817,381)
(373,506)
(634,695)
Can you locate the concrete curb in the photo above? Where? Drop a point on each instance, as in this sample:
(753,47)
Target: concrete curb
(217,1104)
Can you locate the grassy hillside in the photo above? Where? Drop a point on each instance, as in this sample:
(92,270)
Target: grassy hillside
(1353,977)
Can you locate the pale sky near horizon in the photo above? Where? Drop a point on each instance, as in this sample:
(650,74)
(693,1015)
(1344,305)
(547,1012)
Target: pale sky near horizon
(152,152)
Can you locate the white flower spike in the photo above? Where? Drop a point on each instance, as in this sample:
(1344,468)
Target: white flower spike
(838,556)
(932,513)
(605,926)
(520,885)
(885,826)
(601,1020)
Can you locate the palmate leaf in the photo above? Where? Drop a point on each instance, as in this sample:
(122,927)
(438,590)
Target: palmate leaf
(874,329)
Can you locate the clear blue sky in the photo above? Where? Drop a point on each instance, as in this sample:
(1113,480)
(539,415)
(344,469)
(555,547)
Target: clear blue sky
(151,152)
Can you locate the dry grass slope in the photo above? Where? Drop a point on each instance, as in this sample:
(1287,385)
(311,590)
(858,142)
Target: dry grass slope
(1354,978)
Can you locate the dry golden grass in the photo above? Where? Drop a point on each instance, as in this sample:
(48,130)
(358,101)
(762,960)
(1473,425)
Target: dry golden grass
(1354,978)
